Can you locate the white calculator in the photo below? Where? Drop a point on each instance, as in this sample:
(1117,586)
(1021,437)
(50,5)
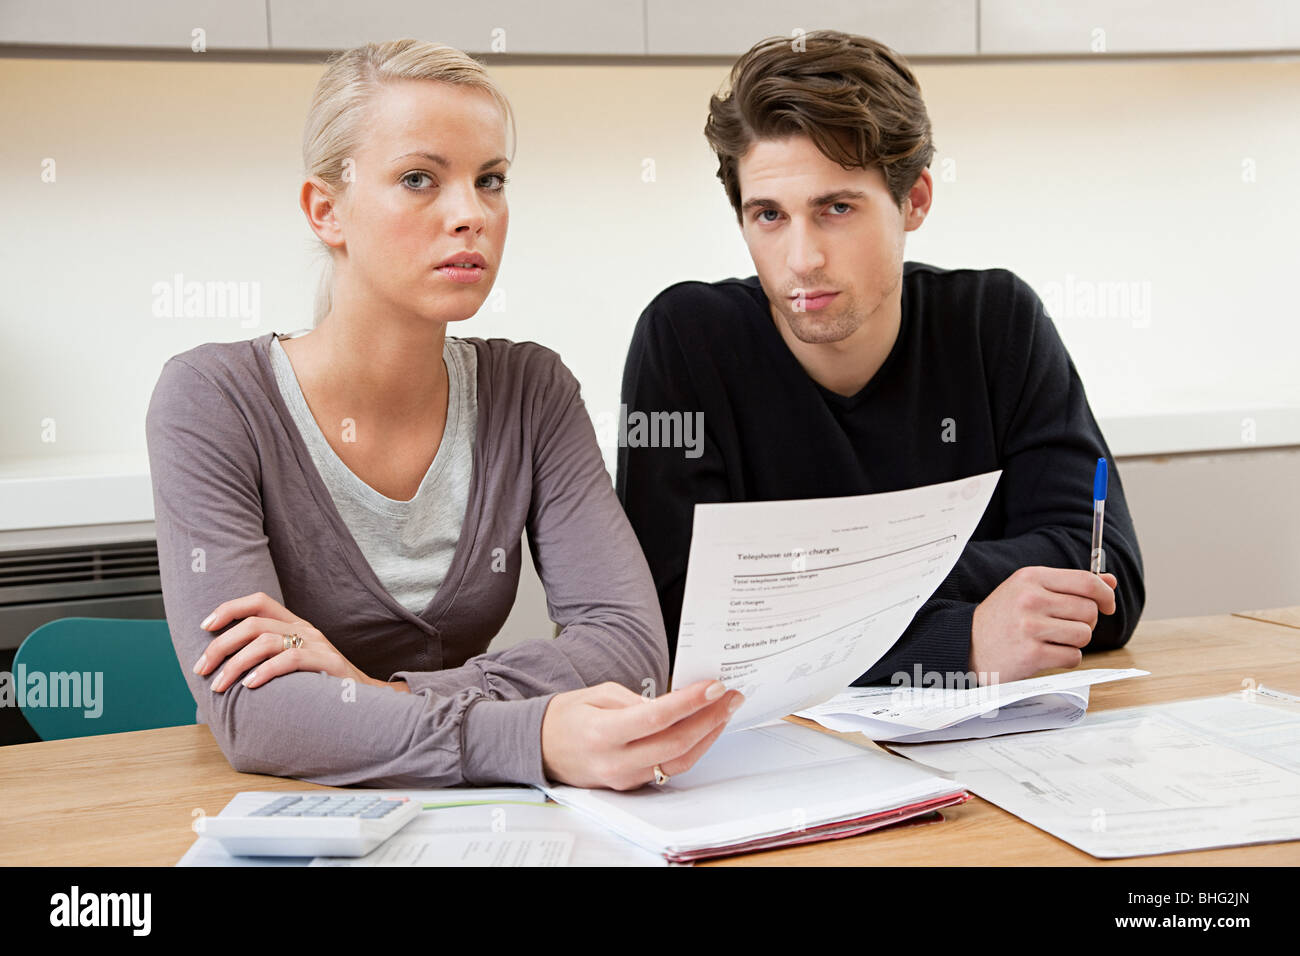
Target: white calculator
(313,823)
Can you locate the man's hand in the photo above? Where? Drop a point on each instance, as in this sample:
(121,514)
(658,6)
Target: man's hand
(607,736)
(1038,618)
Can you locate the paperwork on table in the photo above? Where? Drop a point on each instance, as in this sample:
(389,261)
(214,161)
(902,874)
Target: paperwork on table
(912,714)
(767,787)
(540,835)
(1189,775)
(789,602)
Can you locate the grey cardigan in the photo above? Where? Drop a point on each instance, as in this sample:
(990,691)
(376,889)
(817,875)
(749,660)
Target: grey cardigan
(240,508)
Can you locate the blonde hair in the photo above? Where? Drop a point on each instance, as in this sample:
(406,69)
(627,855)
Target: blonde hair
(338,111)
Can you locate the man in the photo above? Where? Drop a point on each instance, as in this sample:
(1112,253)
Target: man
(841,370)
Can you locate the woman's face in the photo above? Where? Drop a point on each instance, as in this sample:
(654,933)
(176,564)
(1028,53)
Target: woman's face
(428,189)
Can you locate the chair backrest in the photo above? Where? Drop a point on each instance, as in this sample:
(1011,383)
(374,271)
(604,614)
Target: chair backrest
(84,676)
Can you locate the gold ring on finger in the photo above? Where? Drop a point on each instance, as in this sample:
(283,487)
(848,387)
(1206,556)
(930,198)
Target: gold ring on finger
(292,640)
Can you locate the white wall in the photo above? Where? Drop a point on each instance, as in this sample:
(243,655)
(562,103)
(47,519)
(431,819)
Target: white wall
(1218,533)
(1067,172)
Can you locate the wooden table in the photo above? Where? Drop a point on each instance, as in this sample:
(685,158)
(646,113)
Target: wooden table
(148,786)
(1286,616)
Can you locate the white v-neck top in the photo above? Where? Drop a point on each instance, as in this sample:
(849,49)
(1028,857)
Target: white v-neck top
(409,544)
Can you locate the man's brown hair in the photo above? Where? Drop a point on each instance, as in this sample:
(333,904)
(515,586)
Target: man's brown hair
(853,96)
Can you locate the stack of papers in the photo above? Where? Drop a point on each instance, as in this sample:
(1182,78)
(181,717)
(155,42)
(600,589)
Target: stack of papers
(499,835)
(915,714)
(789,602)
(766,787)
(1189,775)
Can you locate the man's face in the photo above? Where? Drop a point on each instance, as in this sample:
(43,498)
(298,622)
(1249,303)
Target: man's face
(814,227)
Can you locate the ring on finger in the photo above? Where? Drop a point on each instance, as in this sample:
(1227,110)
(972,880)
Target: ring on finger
(661,778)
(291,641)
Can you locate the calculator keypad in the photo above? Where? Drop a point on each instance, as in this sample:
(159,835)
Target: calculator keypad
(325,805)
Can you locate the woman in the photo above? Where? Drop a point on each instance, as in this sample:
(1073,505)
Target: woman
(376,476)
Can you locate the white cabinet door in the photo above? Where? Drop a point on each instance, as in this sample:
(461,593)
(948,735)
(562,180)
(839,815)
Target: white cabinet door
(513,26)
(1137,26)
(730,27)
(154,24)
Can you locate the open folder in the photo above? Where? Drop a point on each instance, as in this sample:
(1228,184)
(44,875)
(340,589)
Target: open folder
(774,785)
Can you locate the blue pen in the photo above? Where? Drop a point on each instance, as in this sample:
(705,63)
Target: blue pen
(1098,511)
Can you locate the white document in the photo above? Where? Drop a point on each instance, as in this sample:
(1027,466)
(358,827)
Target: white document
(540,835)
(206,851)
(790,601)
(515,848)
(762,782)
(913,714)
(1189,775)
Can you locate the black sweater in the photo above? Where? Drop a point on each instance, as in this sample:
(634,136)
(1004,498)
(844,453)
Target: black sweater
(978,380)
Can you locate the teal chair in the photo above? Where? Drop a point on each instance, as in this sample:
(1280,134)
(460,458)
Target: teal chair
(139,684)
